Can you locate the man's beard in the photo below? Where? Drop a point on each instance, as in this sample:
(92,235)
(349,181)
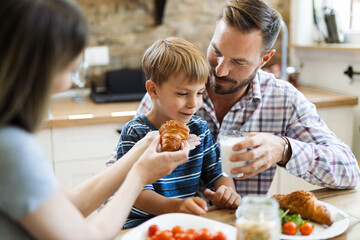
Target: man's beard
(219,89)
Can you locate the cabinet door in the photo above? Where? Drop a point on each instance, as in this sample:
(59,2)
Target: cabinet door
(84,142)
(289,183)
(71,174)
(81,152)
(340,120)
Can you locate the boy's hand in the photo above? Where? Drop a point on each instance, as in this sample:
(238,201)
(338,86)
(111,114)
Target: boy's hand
(224,197)
(193,205)
(193,141)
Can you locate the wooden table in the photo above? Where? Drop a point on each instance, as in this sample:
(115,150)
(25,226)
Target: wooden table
(346,200)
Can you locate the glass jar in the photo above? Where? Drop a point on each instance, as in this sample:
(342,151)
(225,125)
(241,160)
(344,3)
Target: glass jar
(258,219)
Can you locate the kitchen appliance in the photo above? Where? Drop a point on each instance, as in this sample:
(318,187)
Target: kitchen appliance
(120,85)
(332,27)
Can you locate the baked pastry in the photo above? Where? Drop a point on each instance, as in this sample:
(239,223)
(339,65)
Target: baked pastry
(172,134)
(306,204)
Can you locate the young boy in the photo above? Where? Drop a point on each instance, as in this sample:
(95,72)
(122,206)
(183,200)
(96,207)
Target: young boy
(177,73)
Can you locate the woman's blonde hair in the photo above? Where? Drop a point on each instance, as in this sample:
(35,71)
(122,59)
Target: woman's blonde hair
(173,56)
(38,39)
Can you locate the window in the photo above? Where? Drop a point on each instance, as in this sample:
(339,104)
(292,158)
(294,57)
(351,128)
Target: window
(347,12)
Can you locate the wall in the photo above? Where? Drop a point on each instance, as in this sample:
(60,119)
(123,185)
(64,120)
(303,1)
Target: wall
(127,27)
(324,68)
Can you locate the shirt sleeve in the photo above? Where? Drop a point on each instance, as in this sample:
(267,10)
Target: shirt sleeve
(26,177)
(318,156)
(144,106)
(211,171)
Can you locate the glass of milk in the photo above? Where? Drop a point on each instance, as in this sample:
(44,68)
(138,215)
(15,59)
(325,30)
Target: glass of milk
(227,139)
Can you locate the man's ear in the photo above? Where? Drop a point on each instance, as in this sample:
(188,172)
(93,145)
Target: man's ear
(267,57)
(151,88)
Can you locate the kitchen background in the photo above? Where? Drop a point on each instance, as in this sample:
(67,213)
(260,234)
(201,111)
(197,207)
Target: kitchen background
(79,137)
(128,27)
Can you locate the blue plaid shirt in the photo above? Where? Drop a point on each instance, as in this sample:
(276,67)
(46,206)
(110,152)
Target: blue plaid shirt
(275,106)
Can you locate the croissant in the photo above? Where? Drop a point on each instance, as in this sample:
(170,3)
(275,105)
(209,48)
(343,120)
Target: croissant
(172,134)
(306,204)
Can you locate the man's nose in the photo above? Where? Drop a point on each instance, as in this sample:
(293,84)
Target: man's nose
(222,69)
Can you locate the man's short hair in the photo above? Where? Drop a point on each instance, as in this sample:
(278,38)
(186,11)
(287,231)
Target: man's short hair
(173,56)
(249,15)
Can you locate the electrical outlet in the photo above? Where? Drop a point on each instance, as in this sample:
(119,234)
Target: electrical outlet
(97,56)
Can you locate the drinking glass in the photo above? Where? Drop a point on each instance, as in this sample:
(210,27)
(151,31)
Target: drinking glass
(79,78)
(227,139)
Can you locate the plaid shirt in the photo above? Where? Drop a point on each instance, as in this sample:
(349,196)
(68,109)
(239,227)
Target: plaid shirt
(275,106)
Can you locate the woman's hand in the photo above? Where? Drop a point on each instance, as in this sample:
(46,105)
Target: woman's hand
(153,164)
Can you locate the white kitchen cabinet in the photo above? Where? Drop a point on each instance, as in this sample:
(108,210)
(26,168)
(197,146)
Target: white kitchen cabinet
(81,152)
(77,153)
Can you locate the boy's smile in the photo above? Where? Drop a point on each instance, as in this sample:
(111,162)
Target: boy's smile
(178,99)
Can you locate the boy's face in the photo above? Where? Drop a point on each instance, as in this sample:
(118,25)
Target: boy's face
(178,99)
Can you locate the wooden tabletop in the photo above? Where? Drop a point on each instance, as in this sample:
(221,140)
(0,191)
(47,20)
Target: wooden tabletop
(346,200)
(65,112)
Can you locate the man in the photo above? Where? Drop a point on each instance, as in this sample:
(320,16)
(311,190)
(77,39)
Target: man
(285,129)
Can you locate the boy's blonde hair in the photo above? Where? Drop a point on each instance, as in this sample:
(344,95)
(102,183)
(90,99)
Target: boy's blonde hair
(172,56)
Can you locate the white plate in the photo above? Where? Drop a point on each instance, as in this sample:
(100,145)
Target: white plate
(186,221)
(320,232)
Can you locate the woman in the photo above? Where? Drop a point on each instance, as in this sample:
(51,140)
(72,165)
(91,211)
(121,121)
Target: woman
(41,45)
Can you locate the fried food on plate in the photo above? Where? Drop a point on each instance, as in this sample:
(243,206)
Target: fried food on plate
(306,204)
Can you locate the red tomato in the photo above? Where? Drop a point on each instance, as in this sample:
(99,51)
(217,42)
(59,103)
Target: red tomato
(290,228)
(164,235)
(153,229)
(306,228)
(204,234)
(184,236)
(219,236)
(177,229)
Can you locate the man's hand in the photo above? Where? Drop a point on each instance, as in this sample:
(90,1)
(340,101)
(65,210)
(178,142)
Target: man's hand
(224,197)
(266,150)
(193,205)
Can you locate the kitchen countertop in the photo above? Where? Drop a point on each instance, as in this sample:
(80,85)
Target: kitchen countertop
(64,112)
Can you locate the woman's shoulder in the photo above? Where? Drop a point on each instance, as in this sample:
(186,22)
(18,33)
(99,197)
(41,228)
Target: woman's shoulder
(18,145)
(13,137)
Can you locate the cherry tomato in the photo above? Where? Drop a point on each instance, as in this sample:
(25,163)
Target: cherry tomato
(177,229)
(306,228)
(153,229)
(184,236)
(290,228)
(219,236)
(164,235)
(204,234)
